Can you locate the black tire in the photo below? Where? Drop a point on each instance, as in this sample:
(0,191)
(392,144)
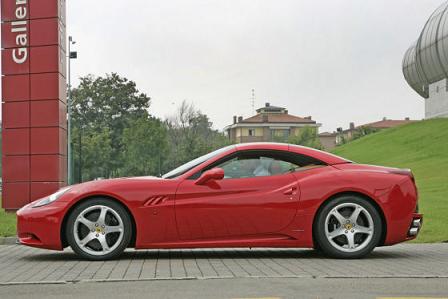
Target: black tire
(126,228)
(324,244)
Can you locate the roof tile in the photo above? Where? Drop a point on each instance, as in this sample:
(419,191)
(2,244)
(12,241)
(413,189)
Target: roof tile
(388,123)
(278,118)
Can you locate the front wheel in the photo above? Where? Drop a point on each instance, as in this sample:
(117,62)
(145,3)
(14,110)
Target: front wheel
(348,227)
(99,229)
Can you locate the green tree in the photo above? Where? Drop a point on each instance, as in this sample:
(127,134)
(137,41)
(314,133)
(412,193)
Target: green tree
(307,137)
(190,135)
(363,131)
(114,134)
(357,133)
(93,151)
(145,147)
(102,108)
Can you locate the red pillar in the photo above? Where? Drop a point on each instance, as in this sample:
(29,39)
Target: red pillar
(34,136)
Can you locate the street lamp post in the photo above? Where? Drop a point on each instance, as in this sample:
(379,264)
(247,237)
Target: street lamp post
(71,55)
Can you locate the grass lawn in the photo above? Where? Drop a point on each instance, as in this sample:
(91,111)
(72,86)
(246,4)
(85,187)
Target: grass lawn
(422,147)
(7,223)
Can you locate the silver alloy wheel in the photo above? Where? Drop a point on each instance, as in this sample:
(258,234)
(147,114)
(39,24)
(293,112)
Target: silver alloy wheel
(349,227)
(101,235)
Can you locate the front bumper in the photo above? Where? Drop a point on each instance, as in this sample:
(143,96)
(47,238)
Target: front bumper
(41,227)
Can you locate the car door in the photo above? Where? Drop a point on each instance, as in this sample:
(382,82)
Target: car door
(249,201)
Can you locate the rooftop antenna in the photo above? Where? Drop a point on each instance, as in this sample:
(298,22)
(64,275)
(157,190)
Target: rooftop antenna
(253,100)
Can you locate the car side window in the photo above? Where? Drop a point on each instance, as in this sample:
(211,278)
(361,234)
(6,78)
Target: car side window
(259,163)
(255,165)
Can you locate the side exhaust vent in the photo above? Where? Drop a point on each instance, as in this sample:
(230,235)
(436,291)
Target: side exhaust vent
(156,200)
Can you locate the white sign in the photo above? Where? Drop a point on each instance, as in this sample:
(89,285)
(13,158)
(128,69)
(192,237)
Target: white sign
(19,28)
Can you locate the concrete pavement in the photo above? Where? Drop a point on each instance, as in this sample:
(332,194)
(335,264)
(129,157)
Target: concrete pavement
(19,264)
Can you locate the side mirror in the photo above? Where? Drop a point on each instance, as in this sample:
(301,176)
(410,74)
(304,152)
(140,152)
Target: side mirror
(212,174)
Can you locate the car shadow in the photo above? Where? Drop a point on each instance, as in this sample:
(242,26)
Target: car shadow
(305,254)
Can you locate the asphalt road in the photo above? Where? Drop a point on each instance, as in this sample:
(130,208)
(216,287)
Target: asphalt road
(345,288)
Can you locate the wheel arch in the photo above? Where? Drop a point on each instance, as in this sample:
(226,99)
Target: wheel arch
(352,193)
(64,241)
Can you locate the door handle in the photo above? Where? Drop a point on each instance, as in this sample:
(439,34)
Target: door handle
(290,191)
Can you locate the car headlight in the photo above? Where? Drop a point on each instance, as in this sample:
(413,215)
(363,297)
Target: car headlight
(49,199)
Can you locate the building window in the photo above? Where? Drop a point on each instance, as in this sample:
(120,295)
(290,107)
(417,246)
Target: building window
(280,133)
(251,132)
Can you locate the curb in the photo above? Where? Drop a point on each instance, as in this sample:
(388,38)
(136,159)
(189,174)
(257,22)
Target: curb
(76,281)
(8,240)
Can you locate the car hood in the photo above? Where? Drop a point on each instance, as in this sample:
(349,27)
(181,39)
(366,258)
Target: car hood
(122,179)
(149,177)
(120,186)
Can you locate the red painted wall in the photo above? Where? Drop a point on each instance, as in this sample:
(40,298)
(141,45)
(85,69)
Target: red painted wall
(33,100)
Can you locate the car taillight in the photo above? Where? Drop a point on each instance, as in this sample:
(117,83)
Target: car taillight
(412,177)
(407,172)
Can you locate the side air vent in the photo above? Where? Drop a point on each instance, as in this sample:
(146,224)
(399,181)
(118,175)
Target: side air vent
(156,200)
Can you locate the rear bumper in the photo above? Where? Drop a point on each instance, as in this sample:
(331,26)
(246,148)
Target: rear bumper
(40,227)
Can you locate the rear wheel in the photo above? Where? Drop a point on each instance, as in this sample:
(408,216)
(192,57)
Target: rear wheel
(99,229)
(348,227)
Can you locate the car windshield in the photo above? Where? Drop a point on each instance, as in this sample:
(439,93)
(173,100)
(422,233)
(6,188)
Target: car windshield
(193,163)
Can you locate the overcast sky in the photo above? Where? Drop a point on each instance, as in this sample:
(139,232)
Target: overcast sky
(336,60)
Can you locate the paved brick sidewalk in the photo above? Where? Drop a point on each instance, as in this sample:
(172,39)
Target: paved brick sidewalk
(19,264)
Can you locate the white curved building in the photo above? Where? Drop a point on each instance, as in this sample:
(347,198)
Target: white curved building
(425,64)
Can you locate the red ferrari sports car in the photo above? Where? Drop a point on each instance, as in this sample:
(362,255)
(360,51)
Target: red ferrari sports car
(246,195)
